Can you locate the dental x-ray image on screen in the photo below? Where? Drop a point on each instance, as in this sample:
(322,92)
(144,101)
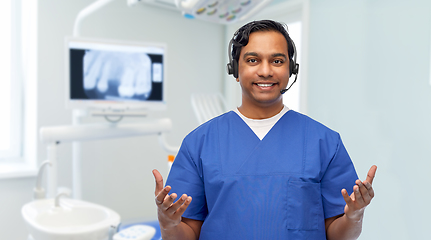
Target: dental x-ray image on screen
(115,75)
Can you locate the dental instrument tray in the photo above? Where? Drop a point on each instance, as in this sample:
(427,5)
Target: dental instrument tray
(136,232)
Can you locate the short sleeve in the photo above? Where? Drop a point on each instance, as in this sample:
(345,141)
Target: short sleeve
(339,174)
(185,177)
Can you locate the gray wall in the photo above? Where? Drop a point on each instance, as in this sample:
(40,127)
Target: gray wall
(368,78)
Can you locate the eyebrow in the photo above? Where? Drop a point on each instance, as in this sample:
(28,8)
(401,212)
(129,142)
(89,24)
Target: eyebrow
(254,54)
(279,55)
(250,54)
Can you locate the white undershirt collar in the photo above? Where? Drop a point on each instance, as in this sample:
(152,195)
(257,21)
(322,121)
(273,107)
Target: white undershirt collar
(261,127)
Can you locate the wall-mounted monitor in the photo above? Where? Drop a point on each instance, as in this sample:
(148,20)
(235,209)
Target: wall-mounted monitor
(115,75)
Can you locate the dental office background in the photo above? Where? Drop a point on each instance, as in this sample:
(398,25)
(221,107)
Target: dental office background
(364,72)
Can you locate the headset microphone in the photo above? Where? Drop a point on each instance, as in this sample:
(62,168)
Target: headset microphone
(295,71)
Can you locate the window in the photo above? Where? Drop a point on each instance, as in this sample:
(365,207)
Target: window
(10,96)
(18,68)
(292,97)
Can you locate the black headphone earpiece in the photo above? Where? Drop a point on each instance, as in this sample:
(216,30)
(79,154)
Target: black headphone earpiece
(232,66)
(229,68)
(235,68)
(293,67)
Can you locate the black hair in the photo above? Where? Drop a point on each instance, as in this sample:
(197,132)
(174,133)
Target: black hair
(241,36)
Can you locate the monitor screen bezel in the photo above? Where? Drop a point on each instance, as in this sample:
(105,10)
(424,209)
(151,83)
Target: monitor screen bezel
(106,104)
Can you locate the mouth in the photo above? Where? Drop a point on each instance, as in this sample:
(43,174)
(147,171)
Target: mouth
(265,85)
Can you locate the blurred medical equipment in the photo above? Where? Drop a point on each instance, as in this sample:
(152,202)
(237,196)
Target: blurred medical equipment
(52,136)
(92,95)
(218,11)
(208,105)
(154,224)
(136,232)
(115,77)
(38,191)
(60,218)
(171,159)
(63,218)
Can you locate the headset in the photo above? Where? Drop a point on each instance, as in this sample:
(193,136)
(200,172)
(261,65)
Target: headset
(232,66)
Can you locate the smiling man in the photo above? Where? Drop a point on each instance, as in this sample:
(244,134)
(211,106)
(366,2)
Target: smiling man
(263,72)
(262,171)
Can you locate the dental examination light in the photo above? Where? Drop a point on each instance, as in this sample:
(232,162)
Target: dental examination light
(218,11)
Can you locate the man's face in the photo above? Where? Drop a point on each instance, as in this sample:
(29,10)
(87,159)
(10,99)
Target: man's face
(263,69)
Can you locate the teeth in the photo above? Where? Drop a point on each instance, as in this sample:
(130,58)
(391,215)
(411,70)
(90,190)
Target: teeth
(265,84)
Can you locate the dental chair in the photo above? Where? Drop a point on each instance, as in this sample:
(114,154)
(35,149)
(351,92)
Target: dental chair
(208,105)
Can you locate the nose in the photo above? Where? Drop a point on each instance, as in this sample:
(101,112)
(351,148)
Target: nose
(264,70)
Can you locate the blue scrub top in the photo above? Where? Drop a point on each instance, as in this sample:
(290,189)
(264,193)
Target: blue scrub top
(281,187)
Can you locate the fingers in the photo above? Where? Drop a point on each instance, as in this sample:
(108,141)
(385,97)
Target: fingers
(371,174)
(363,192)
(362,195)
(167,201)
(359,197)
(185,203)
(346,197)
(180,205)
(163,195)
(159,182)
(173,210)
(370,189)
(169,210)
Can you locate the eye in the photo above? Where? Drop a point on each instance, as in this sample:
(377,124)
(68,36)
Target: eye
(278,61)
(252,60)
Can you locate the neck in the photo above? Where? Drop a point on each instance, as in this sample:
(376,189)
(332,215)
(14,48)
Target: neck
(260,112)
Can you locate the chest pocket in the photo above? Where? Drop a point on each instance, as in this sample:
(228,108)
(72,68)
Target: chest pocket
(304,206)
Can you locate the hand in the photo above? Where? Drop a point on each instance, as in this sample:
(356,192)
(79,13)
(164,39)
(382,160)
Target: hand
(362,195)
(169,213)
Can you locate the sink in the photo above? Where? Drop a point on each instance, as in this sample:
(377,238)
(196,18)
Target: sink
(69,219)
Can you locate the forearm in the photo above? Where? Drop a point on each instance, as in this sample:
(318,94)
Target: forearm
(344,228)
(180,232)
